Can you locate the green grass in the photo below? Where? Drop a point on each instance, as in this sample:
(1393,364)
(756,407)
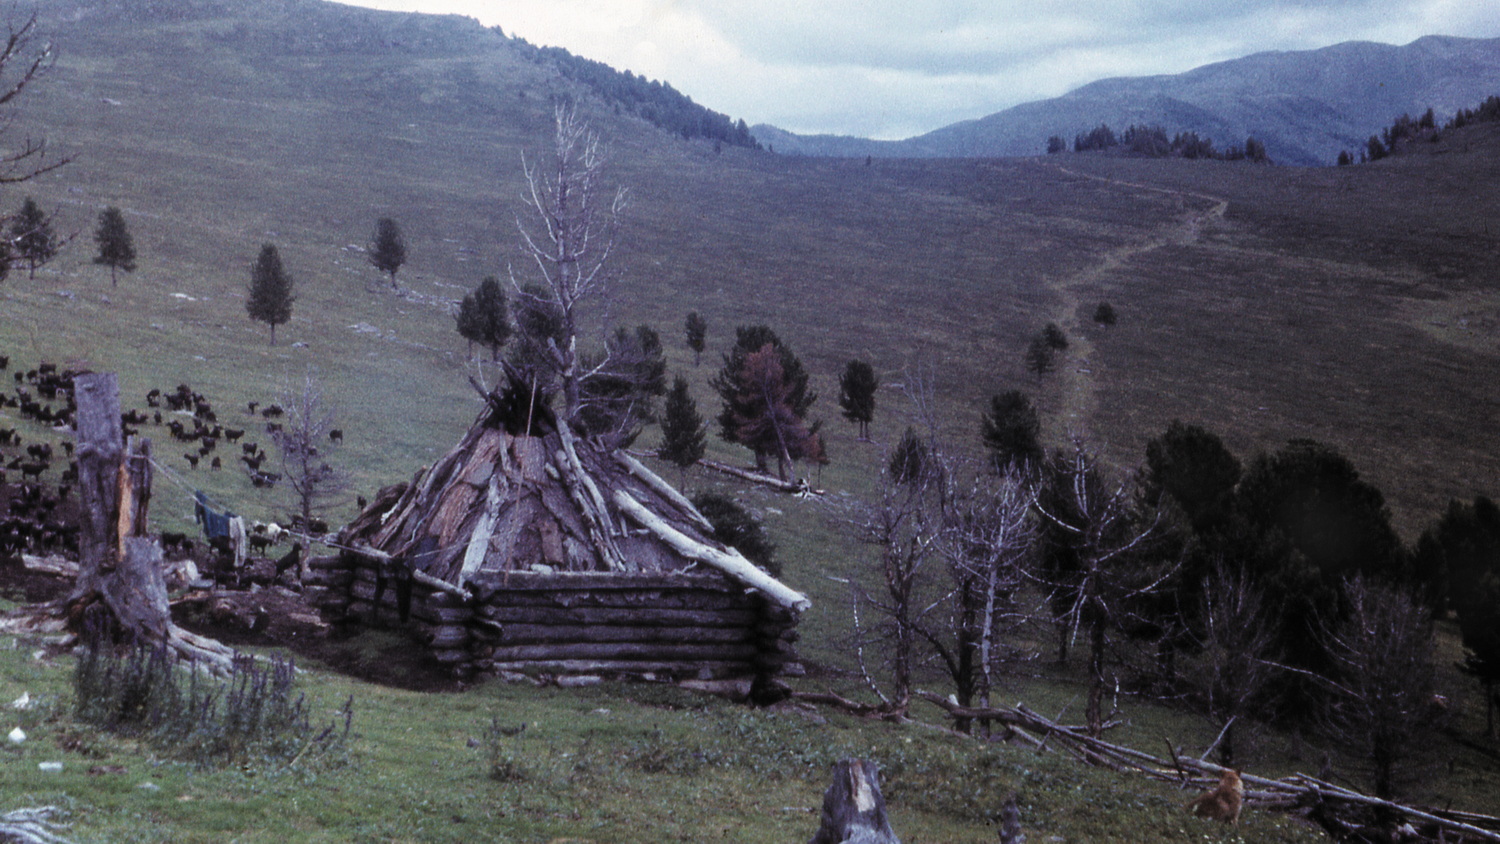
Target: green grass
(610,763)
(1353,305)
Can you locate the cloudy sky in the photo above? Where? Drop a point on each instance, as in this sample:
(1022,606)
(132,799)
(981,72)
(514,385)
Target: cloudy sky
(896,68)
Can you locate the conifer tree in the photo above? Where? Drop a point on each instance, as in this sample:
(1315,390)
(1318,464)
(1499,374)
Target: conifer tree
(1011,431)
(388,249)
(857,388)
(697,331)
(1040,357)
(766,400)
(484,317)
(910,462)
(270,299)
(116,248)
(31,236)
(682,429)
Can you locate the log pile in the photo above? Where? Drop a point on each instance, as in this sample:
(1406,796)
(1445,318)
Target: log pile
(1344,813)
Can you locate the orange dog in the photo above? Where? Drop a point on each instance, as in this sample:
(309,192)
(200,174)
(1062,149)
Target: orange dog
(1224,802)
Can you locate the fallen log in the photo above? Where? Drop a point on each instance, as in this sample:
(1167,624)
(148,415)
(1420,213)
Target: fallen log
(50,564)
(757,477)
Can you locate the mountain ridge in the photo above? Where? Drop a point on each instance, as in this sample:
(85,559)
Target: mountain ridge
(1305,105)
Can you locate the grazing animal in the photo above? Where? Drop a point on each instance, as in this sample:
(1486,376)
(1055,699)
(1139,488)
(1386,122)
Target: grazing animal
(216,464)
(1224,802)
(337,435)
(289,559)
(192,459)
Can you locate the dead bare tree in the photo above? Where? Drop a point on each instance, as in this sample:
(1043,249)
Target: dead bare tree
(986,539)
(305,444)
(22,63)
(571,243)
(1236,638)
(1094,564)
(1380,701)
(979,537)
(906,528)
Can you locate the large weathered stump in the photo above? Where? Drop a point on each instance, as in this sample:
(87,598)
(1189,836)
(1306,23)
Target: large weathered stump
(853,808)
(119,565)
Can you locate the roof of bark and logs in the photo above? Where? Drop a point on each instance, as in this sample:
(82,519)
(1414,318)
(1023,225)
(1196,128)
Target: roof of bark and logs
(521,493)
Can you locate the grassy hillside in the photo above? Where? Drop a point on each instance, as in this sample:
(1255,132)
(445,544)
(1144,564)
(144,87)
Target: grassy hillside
(1354,305)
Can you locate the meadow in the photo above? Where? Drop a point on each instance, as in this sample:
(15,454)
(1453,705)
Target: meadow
(1354,305)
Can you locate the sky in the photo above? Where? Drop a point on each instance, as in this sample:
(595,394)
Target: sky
(892,69)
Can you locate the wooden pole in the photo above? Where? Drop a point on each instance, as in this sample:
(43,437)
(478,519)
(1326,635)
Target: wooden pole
(728,561)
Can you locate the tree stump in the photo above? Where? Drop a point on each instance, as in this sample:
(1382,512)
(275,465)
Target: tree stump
(853,808)
(119,564)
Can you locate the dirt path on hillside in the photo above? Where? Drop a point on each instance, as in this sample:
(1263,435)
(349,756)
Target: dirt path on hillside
(1077,399)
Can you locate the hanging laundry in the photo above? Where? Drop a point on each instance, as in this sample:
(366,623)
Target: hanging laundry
(215,524)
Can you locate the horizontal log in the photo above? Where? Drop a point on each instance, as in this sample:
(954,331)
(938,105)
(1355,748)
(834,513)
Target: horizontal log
(329,577)
(421,605)
(336,562)
(440,636)
(451,657)
(517,634)
(638,667)
(518,581)
(642,598)
(613,615)
(658,651)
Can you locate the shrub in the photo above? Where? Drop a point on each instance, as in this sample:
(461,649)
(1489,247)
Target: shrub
(253,715)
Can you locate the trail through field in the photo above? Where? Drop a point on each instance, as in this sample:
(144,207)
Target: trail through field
(1076,400)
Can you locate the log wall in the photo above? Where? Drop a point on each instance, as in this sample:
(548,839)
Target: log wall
(667,626)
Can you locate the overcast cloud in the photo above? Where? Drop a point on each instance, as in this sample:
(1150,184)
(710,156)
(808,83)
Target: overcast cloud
(892,69)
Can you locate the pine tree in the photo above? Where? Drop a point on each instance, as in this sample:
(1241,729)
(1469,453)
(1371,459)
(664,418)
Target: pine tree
(270,299)
(739,529)
(697,331)
(1104,314)
(857,388)
(116,249)
(910,462)
(31,236)
(766,400)
(1056,339)
(484,317)
(1011,431)
(387,249)
(1040,357)
(682,429)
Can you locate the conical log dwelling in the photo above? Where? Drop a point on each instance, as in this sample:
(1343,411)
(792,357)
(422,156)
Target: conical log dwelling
(528,549)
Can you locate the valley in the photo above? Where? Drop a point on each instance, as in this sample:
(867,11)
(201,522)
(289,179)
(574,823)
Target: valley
(1358,306)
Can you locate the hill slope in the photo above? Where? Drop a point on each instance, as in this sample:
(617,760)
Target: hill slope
(1264,303)
(1305,106)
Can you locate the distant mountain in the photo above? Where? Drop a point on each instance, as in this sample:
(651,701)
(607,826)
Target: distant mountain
(1305,106)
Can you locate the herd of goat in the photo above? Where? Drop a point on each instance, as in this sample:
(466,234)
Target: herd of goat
(38,507)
